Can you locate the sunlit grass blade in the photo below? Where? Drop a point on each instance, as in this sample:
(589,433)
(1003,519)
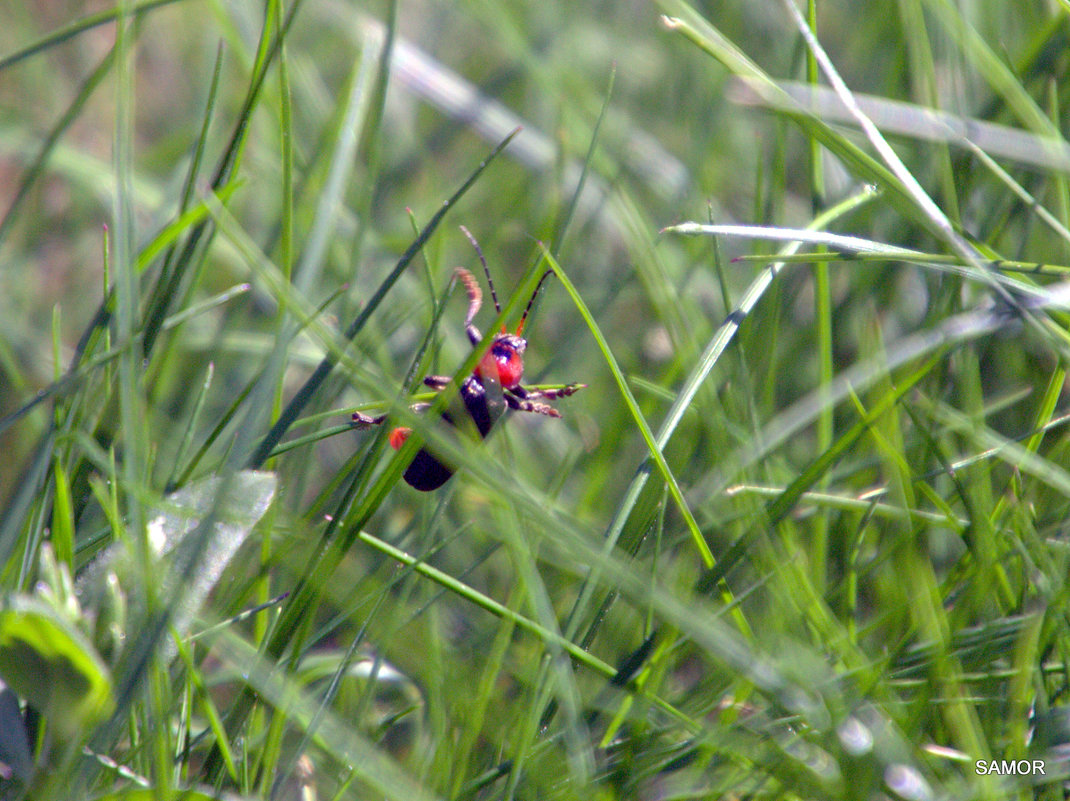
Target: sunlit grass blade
(654,448)
(857,248)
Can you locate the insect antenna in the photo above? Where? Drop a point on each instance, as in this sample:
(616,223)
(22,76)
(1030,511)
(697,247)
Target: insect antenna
(535,294)
(486,269)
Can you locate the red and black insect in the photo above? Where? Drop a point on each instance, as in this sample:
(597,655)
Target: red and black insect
(493,385)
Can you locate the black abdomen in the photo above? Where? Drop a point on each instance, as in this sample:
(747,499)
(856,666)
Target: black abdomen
(426,473)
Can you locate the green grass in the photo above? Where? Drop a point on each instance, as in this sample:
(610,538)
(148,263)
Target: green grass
(803,534)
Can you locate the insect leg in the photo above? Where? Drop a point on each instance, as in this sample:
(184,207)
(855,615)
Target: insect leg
(525,405)
(524,393)
(362,421)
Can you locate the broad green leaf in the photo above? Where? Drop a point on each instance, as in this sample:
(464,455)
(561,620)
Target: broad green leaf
(46,661)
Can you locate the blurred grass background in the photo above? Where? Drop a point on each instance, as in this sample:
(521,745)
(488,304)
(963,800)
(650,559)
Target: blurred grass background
(886,598)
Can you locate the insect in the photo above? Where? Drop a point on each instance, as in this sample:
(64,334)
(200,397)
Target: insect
(493,385)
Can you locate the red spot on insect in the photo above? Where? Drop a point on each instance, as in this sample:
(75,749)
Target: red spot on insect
(510,365)
(398,437)
(505,358)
